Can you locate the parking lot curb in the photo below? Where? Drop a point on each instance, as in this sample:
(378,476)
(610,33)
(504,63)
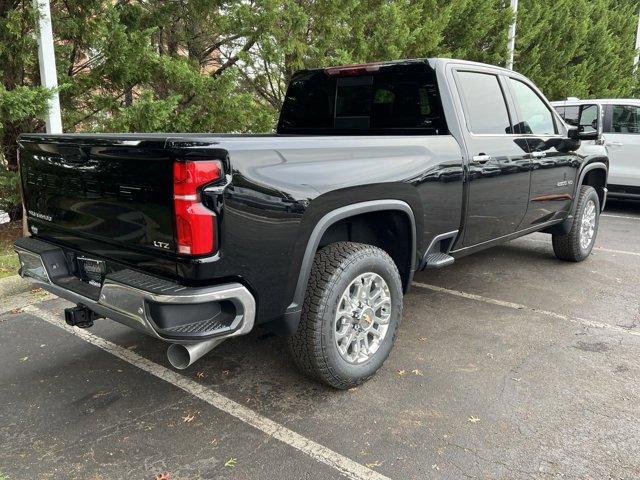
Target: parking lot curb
(14,285)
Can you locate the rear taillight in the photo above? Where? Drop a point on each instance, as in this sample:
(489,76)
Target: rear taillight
(195,223)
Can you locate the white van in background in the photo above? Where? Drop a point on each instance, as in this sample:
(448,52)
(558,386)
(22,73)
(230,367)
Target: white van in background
(619,122)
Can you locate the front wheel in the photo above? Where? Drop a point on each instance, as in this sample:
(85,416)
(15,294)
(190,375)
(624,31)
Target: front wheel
(350,316)
(576,245)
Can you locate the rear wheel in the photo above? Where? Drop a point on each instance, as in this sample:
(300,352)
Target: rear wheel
(576,245)
(350,316)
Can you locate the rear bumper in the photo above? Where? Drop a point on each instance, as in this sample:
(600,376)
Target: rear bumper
(163,309)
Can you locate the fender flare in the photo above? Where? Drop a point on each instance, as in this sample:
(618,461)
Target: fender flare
(565,226)
(294,310)
(587,168)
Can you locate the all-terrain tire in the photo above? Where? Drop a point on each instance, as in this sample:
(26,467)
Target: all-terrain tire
(313,347)
(568,246)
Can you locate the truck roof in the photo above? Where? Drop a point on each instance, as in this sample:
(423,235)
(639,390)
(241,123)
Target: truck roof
(602,101)
(431,61)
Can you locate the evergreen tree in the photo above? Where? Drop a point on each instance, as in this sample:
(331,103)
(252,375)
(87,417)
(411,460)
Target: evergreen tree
(214,65)
(22,101)
(581,48)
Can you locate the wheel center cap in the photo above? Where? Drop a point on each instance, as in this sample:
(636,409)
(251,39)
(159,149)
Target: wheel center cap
(365,318)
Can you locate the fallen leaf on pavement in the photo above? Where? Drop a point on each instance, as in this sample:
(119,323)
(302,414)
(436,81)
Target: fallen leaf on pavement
(374,464)
(189,418)
(415,371)
(200,374)
(162,476)
(401,372)
(24,359)
(473,419)
(231,463)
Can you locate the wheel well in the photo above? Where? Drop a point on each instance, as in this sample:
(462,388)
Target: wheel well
(597,178)
(389,230)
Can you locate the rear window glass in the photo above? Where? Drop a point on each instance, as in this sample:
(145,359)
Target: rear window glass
(393,100)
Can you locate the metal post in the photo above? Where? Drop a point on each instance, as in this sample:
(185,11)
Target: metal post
(637,57)
(512,34)
(47,59)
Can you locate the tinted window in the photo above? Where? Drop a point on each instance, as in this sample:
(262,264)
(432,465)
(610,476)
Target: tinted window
(484,103)
(401,99)
(536,118)
(625,119)
(583,116)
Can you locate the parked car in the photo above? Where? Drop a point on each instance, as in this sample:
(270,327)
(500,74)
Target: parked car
(618,120)
(376,171)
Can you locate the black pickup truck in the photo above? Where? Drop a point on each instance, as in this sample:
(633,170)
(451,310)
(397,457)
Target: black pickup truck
(376,171)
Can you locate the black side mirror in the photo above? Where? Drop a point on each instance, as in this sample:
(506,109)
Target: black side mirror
(589,135)
(573,133)
(578,133)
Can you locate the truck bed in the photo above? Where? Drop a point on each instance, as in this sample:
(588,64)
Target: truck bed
(110,196)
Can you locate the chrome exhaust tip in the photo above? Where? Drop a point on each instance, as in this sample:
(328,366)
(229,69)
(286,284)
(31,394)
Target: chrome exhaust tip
(182,356)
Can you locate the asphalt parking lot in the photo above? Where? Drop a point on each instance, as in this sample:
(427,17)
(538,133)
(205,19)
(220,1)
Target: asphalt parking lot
(509,364)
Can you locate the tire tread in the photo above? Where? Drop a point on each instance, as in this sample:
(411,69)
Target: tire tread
(306,346)
(567,246)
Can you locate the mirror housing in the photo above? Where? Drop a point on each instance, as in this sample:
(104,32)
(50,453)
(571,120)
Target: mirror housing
(572,132)
(588,135)
(578,133)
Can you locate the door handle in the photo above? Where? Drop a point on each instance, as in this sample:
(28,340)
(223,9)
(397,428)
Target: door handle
(481,159)
(614,144)
(539,154)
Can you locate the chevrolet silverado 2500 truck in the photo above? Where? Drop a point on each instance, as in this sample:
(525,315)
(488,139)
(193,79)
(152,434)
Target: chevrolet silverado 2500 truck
(376,171)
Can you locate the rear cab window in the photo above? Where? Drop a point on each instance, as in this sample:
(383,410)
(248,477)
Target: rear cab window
(387,100)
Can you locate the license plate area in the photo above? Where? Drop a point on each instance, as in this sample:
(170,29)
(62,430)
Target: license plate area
(91,271)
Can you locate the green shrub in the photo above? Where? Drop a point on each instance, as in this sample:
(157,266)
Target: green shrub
(10,199)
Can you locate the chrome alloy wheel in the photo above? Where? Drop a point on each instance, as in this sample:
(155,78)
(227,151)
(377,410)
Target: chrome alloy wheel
(588,225)
(362,318)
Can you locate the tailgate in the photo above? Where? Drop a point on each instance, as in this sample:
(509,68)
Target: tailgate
(116,191)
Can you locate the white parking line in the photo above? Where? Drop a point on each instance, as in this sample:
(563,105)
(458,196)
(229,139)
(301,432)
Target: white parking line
(517,306)
(600,249)
(320,453)
(619,216)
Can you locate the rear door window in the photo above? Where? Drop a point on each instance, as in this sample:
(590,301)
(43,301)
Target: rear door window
(625,119)
(484,104)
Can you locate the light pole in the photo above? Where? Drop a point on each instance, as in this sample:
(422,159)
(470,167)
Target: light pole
(637,57)
(47,61)
(512,34)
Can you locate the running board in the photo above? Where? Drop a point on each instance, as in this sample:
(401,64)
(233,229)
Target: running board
(438,260)
(437,255)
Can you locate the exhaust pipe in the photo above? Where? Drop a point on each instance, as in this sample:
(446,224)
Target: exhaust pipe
(181,356)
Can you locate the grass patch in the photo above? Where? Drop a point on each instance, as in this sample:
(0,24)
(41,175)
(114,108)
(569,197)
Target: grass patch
(8,258)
